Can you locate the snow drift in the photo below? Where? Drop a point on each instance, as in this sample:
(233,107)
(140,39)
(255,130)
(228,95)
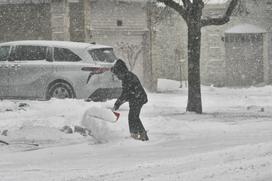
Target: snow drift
(99,121)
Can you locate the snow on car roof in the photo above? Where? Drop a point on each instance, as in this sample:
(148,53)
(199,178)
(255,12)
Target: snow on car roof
(63,44)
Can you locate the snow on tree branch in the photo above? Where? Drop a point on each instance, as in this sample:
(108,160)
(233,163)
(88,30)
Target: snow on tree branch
(180,8)
(221,20)
(186,3)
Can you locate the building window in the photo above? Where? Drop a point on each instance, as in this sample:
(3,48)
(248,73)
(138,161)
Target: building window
(214,47)
(25,52)
(119,23)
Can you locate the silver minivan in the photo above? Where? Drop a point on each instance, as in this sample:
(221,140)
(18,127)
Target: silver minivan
(37,69)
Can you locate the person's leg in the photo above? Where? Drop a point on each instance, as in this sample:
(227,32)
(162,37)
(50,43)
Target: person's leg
(136,127)
(135,124)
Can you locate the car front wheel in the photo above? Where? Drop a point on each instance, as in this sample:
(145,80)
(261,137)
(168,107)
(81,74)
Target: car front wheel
(60,90)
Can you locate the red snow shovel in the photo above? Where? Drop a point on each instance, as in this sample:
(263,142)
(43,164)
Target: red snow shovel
(117,115)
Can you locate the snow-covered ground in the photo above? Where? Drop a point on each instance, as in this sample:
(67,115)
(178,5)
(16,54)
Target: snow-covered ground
(231,140)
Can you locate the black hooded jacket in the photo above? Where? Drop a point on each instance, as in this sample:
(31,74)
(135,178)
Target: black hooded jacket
(132,90)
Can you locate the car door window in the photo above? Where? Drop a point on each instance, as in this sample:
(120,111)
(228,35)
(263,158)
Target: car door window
(65,55)
(26,52)
(4,53)
(103,55)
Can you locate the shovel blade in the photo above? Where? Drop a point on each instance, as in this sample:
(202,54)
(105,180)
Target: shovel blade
(117,114)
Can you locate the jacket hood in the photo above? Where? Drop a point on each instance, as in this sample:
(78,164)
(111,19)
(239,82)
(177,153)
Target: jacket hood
(119,68)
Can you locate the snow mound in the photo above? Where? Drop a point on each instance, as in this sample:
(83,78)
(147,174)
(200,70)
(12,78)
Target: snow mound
(38,134)
(165,85)
(101,113)
(99,121)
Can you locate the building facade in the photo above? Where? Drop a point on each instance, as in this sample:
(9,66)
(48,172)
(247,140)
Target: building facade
(235,54)
(124,25)
(153,39)
(238,53)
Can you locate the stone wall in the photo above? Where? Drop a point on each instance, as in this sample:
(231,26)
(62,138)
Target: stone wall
(80,20)
(60,19)
(118,15)
(169,44)
(25,21)
(123,25)
(76,13)
(36,19)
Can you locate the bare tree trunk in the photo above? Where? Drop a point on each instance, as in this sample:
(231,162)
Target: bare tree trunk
(194,103)
(191,12)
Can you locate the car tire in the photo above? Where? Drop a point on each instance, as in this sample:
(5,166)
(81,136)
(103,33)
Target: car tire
(60,90)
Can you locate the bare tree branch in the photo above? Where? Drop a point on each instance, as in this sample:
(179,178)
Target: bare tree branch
(187,4)
(177,7)
(198,5)
(221,20)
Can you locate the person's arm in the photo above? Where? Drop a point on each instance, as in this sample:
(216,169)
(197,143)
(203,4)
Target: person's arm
(123,97)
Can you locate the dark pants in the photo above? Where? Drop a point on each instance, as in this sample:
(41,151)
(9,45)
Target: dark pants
(134,121)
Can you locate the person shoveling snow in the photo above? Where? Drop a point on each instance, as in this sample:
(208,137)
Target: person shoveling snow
(133,93)
(96,120)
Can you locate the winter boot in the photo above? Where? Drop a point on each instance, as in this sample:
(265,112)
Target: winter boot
(143,136)
(140,136)
(135,136)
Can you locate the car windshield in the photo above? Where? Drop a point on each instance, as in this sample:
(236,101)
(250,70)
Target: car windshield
(103,55)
